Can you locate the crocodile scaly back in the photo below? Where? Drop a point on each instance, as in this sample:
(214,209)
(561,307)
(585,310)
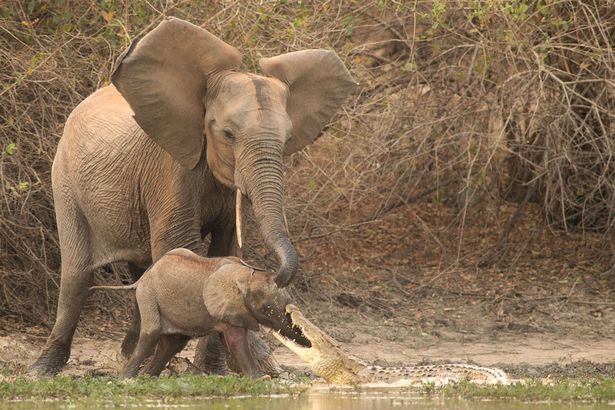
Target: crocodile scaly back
(438,374)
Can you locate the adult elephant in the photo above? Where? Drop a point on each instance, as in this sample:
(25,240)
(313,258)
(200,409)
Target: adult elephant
(153,161)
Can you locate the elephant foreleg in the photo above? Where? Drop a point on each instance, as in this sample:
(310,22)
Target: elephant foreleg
(224,242)
(210,355)
(260,351)
(236,339)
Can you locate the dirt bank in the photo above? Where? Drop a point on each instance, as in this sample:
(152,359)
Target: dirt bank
(548,301)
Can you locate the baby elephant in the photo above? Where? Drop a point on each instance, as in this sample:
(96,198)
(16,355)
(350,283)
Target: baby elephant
(184,295)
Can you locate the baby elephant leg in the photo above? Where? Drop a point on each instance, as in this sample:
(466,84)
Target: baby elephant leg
(236,339)
(148,335)
(132,335)
(144,348)
(168,347)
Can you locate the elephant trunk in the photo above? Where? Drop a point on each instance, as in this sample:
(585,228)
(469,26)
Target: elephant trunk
(260,178)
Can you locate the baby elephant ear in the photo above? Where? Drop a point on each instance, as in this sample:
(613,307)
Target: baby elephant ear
(224,295)
(163,76)
(318,83)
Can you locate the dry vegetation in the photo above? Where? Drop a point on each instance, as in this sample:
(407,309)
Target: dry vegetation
(465,107)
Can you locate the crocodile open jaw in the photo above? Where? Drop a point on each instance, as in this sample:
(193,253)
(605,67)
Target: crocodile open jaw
(324,357)
(327,359)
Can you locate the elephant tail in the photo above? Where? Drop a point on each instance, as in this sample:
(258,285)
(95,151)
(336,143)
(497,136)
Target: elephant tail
(121,287)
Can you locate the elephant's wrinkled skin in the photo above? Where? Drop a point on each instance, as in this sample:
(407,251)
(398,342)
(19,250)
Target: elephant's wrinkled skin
(151,162)
(184,295)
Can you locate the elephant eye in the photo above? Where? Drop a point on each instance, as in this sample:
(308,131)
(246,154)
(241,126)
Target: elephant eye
(228,134)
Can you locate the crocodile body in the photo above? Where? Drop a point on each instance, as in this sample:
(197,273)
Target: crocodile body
(327,359)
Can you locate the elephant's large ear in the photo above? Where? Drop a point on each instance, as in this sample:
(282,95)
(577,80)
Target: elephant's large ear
(224,294)
(163,76)
(318,82)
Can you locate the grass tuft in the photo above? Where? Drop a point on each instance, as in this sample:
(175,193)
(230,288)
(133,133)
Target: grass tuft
(114,389)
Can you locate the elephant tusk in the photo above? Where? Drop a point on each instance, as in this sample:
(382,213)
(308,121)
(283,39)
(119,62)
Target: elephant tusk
(238,217)
(285,221)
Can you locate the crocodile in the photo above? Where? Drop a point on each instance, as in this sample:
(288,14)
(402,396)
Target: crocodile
(328,360)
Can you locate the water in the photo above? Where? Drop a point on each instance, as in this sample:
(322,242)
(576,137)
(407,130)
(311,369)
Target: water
(319,401)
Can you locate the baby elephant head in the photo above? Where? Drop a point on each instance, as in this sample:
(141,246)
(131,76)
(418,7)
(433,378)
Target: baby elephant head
(241,296)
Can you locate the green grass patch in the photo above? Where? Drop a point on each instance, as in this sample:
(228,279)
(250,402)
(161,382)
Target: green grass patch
(114,389)
(566,390)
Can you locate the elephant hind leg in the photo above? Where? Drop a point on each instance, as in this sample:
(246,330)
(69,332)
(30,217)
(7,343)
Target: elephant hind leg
(145,346)
(74,235)
(73,293)
(148,335)
(132,335)
(168,346)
